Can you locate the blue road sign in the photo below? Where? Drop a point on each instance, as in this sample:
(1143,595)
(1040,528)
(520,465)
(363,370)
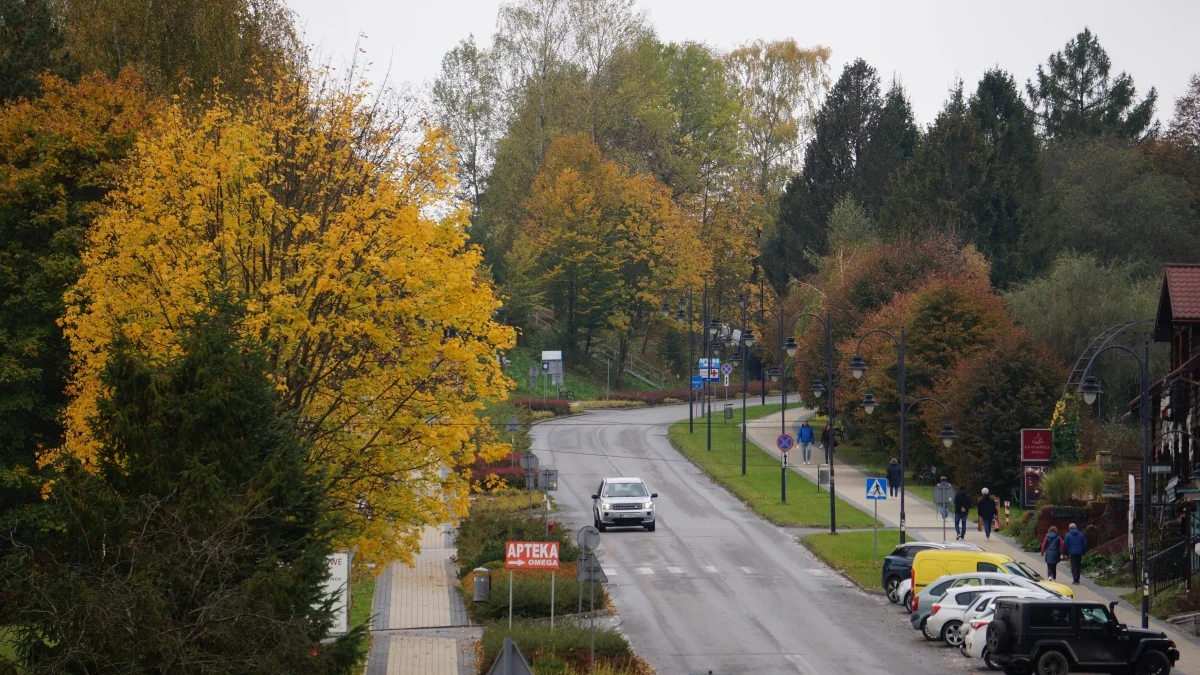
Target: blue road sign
(877,489)
(709,369)
(697,382)
(785,442)
(726,369)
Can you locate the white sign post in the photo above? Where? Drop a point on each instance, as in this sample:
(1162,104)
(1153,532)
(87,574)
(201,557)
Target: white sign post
(1131,509)
(337,586)
(877,492)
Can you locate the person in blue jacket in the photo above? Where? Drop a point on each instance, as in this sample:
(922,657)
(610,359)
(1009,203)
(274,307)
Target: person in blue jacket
(1052,550)
(894,475)
(1075,544)
(805,436)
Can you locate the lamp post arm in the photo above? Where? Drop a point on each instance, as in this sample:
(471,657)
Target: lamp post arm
(858,347)
(810,315)
(927,398)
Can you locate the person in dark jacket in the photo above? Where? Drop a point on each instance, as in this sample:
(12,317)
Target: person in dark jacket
(893,476)
(1052,550)
(829,443)
(987,513)
(962,505)
(1075,544)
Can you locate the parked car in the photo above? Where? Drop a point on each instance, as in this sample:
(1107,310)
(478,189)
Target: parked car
(946,614)
(897,566)
(923,602)
(906,594)
(986,603)
(975,640)
(623,502)
(1053,637)
(934,564)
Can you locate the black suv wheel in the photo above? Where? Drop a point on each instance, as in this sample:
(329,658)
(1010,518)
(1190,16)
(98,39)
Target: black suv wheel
(1053,662)
(1152,662)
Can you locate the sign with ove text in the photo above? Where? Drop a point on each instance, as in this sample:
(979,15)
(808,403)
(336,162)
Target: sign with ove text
(1037,445)
(532,554)
(337,586)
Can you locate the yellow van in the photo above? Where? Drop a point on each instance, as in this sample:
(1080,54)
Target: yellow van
(931,564)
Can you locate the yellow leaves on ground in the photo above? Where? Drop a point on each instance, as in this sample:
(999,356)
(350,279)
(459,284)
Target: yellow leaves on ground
(306,206)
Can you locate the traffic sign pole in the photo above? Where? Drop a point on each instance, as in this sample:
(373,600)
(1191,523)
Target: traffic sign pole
(875,555)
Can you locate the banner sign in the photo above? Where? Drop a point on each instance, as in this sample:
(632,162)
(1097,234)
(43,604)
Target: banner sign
(1037,445)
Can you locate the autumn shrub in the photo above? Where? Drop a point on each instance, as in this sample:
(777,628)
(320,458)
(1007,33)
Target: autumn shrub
(481,537)
(531,594)
(1092,483)
(536,404)
(507,469)
(1060,486)
(567,642)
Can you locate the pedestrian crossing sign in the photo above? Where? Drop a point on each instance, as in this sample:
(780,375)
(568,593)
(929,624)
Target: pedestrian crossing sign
(877,489)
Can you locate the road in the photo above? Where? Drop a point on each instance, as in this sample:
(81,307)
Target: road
(716,588)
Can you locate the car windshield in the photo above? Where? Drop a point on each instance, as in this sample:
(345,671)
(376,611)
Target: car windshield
(624,490)
(1030,573)
(1020,570)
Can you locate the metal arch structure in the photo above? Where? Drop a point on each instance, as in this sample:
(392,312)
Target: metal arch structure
(1097,345)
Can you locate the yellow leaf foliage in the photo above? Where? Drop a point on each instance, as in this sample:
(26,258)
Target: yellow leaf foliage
(347,251)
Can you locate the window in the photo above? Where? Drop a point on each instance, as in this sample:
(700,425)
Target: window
(969,581)
(1093,617)
(625,490)
(965,599)
(914,550)
(1047,616)
(938,590)
(902,552)
(982,604)
(986,567)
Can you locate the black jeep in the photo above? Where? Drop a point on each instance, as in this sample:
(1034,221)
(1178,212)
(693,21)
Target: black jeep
(1054,637)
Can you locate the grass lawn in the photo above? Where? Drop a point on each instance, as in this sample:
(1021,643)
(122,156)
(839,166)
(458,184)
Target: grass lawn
(759,488)
(851,553)
(362,593)
(583,384)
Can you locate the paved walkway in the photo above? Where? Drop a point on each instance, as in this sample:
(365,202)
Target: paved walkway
(924,522)
(417,615)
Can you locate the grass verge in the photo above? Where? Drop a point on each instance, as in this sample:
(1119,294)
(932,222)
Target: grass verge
(760,488)
(362,594)
(853,553)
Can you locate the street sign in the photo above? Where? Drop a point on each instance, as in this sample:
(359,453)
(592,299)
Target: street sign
(532,554)
(548,480)
(726,370)
(785,442)
(943,493)
(529,461)
(1037,445)
(726,376)
(337,586)
(877,489)
(784,457)
(510,661)
(588,538)
(588,569)
(709,369)
(697,382)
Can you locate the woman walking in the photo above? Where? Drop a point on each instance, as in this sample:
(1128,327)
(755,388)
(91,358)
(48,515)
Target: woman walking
(1052,551)
(894,475)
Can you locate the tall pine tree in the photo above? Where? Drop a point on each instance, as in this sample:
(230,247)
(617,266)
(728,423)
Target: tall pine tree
(31,44)
(198,541)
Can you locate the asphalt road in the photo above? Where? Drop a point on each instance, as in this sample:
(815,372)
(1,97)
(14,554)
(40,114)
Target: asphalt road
(716,588)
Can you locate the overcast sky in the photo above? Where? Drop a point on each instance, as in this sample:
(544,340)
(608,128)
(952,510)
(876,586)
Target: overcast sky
(926,44)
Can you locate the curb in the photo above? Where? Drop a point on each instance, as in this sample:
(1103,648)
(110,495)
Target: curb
(828,563)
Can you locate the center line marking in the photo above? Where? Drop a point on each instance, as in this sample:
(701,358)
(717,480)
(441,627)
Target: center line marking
(674,570)
(644,570)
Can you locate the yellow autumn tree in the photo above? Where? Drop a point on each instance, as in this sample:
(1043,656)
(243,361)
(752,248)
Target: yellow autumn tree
(346,249)
(604,243)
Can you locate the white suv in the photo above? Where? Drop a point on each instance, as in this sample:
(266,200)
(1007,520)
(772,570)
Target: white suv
(623,502)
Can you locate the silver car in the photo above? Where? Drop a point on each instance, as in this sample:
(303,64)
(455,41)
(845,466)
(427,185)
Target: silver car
(623,502)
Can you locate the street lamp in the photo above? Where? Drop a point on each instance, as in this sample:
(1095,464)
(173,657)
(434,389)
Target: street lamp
(1090,388)
(869,404)
(858,368)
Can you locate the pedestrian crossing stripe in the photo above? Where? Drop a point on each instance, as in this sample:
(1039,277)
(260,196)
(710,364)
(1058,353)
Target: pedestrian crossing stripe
(877,488)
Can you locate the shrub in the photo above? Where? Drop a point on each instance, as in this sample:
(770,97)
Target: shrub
(481,537)
(567,642)
(1059,486)
(536,404)
(531,594)
(1092,479)
(513,476)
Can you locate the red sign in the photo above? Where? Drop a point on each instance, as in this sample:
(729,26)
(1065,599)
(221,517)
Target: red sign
(1036,445)
(535,554)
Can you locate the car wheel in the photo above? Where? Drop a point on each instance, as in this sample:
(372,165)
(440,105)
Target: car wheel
(650,527)
(891,587)
(997,637)
(952,633)
(1053,662)
(987,660)
(925,630)
(908,598)
(596,522)
(1152,662)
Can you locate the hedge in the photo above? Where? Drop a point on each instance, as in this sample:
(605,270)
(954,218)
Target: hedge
(481,537)
(568,643)
(555,406)
(531,593)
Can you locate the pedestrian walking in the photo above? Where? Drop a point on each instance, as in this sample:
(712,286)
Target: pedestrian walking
(987,513)
(962,505)
(1052,551)
(805,435)
(1075,544)
(828,442)
(944,509)
(894,475)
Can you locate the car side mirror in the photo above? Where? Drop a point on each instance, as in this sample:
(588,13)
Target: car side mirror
(1112,607)
(653,495)
(596,496)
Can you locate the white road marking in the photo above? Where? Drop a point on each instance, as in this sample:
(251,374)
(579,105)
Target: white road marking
(610,571)
(747,570)
(644,570)
(710,569)
(674,570)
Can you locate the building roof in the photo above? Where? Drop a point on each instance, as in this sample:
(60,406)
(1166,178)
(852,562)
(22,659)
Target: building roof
(1179,301)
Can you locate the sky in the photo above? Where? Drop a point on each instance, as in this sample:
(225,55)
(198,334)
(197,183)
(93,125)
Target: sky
(927,45)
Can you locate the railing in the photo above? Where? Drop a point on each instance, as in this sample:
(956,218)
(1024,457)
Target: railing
(1172,566)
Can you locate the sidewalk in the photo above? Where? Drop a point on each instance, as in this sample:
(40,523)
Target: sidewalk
(417,615)
(924,522)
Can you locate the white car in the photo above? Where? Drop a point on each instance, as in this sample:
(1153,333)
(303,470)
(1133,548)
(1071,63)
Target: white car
(975,640)
(904,592)
(623,502)
(946,616)
(986,603)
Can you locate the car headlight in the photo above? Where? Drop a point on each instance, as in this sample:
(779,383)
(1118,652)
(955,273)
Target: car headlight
(605,505)
(648,505)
